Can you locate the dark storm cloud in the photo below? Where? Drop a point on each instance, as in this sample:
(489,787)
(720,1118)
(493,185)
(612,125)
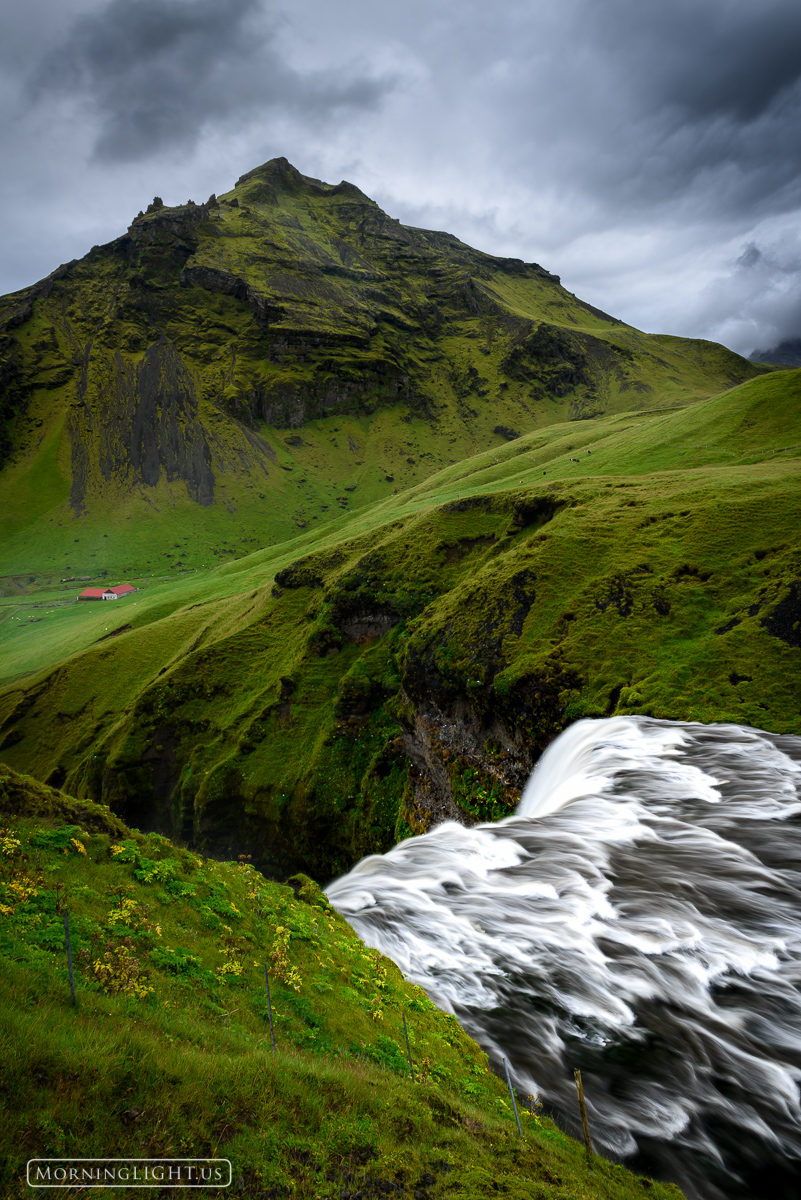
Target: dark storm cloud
(688,102)
(155,73)
(711,58)
(710,86)
(654,140)
(742,73)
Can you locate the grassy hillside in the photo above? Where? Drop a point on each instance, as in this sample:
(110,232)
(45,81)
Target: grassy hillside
(167,1053)
(320,698)
(224,375)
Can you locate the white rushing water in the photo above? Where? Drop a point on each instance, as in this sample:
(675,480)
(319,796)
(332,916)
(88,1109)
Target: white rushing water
(638,917)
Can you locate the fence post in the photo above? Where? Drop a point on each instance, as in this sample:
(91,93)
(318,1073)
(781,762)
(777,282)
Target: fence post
(69,956)
(408,1047)
(583,1107)
(269,1007)
(512,1094)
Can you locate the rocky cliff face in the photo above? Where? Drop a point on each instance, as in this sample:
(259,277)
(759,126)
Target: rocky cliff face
(133,422)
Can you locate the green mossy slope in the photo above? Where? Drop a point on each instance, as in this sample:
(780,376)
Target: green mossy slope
(168,1051)
(319,699)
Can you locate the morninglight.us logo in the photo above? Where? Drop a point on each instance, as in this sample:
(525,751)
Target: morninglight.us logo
(128,1172)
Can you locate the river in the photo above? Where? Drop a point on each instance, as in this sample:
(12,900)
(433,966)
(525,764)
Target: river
(639,917)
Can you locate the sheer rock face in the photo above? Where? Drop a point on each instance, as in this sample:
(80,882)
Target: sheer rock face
(435,740)
(134,422)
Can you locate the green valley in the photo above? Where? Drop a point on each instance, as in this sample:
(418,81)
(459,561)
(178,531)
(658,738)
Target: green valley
(293,701)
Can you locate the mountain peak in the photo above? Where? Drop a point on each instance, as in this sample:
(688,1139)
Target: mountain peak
(278,175)
(278,172)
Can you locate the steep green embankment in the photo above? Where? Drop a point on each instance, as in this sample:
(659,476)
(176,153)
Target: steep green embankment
(225,374)
(315,701)
(168,1053)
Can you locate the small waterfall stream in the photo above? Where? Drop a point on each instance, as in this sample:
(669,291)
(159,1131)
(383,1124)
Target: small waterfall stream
(638,917)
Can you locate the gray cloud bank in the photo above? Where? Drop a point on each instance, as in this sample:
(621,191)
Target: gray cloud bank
(155,73)
(649,153)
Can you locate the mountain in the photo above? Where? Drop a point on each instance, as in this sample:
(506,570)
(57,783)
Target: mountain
(786,354)
(398,512)
(278,355)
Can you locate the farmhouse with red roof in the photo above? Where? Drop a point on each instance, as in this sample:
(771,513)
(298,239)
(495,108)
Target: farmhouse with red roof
(122,589)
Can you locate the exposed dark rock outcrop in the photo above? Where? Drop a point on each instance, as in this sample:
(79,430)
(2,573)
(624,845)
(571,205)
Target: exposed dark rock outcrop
(551,357)
(506,432)
(785,620)
(138,422)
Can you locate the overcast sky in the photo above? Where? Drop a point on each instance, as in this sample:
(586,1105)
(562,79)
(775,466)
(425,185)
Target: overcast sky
(648,151)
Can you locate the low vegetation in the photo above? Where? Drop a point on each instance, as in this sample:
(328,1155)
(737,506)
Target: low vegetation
(167,1053)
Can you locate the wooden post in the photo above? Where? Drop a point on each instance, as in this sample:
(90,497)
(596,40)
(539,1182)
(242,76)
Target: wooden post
(408,1047)
(512,1094)
(269,1008)
(69,956)
(583,1107)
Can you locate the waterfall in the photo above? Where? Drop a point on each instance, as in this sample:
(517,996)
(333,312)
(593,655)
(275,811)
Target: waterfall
(638,917)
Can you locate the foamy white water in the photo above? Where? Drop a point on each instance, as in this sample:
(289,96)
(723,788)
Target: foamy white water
(638,917)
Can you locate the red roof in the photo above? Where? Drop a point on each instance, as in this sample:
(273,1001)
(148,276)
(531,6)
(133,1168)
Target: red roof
(92,594)
(122,589)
